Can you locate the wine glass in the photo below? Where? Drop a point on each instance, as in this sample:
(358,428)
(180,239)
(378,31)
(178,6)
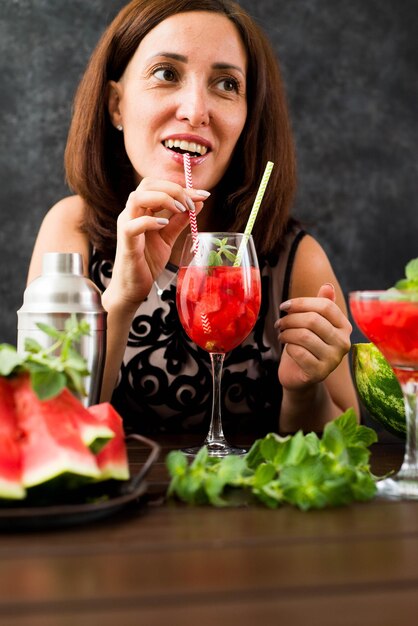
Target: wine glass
(218,300)
(390,320)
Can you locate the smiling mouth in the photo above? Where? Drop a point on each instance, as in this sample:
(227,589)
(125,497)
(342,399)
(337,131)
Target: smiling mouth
(181,146)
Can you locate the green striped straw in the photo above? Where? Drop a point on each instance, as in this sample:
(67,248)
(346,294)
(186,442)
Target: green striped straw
(254,212)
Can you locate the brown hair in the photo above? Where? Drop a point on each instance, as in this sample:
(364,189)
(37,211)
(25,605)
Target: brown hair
(97,165)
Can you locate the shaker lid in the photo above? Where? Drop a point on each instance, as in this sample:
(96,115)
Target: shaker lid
(62,263)
(62,288)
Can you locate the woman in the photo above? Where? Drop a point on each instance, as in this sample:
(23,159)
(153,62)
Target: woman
(170,76)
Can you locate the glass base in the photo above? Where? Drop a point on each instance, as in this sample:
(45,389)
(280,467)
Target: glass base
(218,450)
(398,488)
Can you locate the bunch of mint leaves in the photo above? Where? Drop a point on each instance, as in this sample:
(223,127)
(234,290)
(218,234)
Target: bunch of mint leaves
(50,368)
(306,471)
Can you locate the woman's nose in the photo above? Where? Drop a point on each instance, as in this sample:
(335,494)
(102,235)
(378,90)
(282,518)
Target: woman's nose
(194,106)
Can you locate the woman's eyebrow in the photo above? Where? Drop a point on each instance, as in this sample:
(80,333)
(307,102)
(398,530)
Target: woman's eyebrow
(227,66)
(170,55)
(184,59)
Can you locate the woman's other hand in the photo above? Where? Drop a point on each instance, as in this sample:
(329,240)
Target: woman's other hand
(316,337)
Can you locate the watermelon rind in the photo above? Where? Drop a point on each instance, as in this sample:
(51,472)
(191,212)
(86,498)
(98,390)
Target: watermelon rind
(378,388)
(72,470)
(95,439)
(11,490)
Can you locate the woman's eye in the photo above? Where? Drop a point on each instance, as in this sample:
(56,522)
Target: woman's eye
(165,73)
(229,84)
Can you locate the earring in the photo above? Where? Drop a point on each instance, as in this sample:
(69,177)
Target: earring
(119,127)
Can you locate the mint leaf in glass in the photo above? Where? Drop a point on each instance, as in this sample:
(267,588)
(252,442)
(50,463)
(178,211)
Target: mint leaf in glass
(410,282)
(223,248)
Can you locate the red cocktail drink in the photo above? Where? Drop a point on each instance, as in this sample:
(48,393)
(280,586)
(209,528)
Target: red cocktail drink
(218,306)
(393,326)
(390,320)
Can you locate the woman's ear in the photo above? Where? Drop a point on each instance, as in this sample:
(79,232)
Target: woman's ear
(113,102)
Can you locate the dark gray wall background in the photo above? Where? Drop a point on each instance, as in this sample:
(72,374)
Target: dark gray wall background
(351,70)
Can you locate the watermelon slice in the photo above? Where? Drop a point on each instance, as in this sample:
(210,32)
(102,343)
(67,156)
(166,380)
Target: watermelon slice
(51,444)
(10,454)
(94,433)
(112,459)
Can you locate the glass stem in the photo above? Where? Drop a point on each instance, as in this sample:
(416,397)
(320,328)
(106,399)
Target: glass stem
(410,394)
(215,434)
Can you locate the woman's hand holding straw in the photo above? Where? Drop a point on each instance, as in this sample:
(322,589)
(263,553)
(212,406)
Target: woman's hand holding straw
(254,211)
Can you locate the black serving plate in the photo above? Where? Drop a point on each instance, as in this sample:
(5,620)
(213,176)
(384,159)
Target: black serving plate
(87,504)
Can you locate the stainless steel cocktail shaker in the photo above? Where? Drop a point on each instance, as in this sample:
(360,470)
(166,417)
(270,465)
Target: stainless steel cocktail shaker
(62,291)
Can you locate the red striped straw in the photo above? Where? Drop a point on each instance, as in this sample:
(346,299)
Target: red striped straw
(193,227)
(192,213)
(187,170)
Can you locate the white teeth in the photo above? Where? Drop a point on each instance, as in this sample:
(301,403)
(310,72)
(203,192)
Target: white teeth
(186,146)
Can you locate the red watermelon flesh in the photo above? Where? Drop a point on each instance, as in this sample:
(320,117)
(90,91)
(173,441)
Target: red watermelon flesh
(51,443)
(113,458)
(94,433)
(10,453)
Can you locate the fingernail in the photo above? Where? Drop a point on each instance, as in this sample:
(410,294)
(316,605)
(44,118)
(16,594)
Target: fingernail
(285,305)
(162,220)
(179,206)
(190,204)
(202,192)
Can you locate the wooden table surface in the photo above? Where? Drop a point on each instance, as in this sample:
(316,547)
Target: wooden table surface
(164,563)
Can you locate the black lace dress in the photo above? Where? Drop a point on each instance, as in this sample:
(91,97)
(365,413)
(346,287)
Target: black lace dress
(165,382)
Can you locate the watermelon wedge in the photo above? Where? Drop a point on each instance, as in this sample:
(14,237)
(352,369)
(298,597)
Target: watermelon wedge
(94,432)
(51,444)
(112,459)
(10,454)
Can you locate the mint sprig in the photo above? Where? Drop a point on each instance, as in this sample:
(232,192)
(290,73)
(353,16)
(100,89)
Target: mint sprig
(53,368)
(302,470)
(405,289)
(215,256)
(410,282)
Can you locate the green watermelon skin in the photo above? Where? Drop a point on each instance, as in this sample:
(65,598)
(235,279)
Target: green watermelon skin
(10,453)
(378,388)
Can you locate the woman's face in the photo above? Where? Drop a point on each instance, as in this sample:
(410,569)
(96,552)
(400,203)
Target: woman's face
(183,90)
